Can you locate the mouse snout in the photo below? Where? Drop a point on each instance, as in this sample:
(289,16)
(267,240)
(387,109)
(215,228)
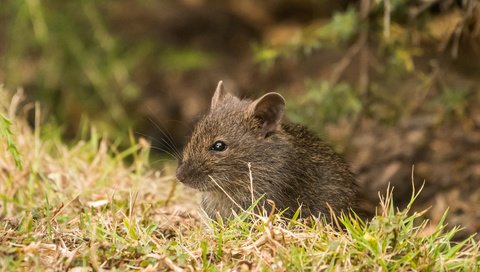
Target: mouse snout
(185,172)
(181,172)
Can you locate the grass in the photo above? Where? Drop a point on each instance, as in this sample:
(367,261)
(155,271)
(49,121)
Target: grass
(89,206)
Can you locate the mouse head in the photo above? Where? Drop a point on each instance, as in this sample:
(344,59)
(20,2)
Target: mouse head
(233,133)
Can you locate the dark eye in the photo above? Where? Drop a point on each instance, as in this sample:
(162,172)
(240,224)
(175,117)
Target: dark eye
(218,146)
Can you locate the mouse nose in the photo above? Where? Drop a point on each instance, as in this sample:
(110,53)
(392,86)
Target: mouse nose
(182,171)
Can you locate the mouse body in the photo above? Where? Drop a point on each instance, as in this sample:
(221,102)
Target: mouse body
(241,149)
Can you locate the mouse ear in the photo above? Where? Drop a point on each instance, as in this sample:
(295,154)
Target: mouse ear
(219,95)
(269,110)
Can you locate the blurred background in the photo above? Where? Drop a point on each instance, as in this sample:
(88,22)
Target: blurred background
(391,84)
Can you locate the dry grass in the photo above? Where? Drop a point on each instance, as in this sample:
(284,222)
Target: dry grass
(89,207)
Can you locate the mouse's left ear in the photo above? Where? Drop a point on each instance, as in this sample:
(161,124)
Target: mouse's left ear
(268,109)
(219,96)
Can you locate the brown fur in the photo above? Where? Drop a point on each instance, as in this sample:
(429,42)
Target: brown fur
(289,164)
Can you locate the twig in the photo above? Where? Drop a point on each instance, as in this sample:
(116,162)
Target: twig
(363,38)
(17,98)
(172,265)
(363,80)
(251,181)
(345,61)
(132,201)
(426,5)
(386,19)
(171,193)
(355,48)
(225,192)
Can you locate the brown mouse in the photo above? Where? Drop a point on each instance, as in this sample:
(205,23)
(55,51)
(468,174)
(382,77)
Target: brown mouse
(242,144)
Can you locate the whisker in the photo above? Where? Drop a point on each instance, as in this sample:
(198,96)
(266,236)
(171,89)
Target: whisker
(165,151)
(168,137)
(162,142)
(153,163)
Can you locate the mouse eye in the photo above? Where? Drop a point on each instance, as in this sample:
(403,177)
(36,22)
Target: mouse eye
(218,146)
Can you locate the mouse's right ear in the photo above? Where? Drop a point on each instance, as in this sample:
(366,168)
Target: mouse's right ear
(219,95)
(268,109)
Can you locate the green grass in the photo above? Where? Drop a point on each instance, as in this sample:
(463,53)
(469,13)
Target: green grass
(7,135)
(90,206)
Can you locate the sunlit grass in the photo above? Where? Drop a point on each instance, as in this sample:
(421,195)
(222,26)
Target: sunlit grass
(82,206)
